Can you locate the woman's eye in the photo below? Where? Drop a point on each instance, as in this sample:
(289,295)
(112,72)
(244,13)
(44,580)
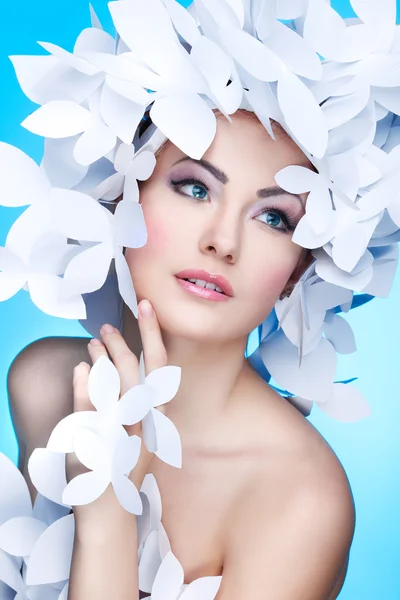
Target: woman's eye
(194,189)
(190,187)
(274,219)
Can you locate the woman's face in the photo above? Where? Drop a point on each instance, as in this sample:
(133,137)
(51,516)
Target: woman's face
(214,217)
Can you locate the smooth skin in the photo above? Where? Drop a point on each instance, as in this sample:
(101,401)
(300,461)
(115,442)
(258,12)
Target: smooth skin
(261,496)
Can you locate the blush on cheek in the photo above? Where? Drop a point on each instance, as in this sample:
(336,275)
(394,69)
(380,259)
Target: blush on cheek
(158,237)
(270,285)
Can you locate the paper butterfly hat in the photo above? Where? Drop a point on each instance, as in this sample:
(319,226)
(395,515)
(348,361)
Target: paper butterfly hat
(105,108)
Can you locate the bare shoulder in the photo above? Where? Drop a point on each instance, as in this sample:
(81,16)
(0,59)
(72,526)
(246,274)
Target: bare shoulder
(290,535)
(39,385)
(297,502)
(281,431)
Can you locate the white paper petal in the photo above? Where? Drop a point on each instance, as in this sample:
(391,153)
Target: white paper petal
(27,229)
(134,405)
(47,511)
(87,271)
(18,536)
(251,54)
(149,433)
(150,561)
(183,21)
(16,190)
(388,97)
(127,494)
(319,209)
(131,188)
(224,12)
(169,579)
(347,404)
(169,447)
(47,472)
(86,488)
(126,454)
(370,12)
(58,119)
(30,70)
(205,588)
(104,384)
(313,380)
(90,450)
(78,216)
(68,58)
(120,114)
(150,488)
(9,572)
(59,164)
(15,500)
(340,335)
(187,121)
(302,113)
(165,381)
(143,523)
(94,40)
(125,284)
(347,256)
(97,141)
(296,179)
(64,593)
(110,188)
(294,51)
(129,91)
(147,27)
(129,225)
(144,165)
(50,561)
(6,593)
(328,271)
(61,438)
(384,270)
(45,293)
(94,19)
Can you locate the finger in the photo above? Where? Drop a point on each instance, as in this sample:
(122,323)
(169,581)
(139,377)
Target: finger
(123,358)
(96,349)
(155,354)
(80,387)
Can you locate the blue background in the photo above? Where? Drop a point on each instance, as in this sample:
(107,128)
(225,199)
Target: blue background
(369,450)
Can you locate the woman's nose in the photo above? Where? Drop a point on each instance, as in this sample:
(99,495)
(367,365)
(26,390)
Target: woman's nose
(222,236)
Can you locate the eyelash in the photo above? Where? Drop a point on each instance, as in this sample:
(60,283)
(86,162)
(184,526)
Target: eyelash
(290,223)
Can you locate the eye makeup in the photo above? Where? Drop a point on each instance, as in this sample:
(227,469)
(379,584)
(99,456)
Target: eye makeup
(176,184)
(290,216)
(289,212)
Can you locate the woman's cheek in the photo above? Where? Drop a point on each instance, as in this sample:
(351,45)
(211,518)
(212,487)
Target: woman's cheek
(270,284)
(158,235)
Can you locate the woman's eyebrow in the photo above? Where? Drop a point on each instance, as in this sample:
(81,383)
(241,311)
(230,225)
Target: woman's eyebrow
(267,192)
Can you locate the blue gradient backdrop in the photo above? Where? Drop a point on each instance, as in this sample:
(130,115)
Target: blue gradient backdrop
(369,450)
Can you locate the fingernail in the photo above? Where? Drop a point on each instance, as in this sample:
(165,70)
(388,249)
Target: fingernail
(108,328)
(95,342)
(145,308)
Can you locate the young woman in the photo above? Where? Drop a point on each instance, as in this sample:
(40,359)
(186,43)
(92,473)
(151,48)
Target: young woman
(261,498)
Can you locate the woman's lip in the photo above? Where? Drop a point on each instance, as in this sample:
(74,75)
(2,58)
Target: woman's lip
(205,293)
(218,280)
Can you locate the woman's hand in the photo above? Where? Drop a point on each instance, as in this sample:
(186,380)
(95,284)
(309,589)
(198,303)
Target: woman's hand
(127,365)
